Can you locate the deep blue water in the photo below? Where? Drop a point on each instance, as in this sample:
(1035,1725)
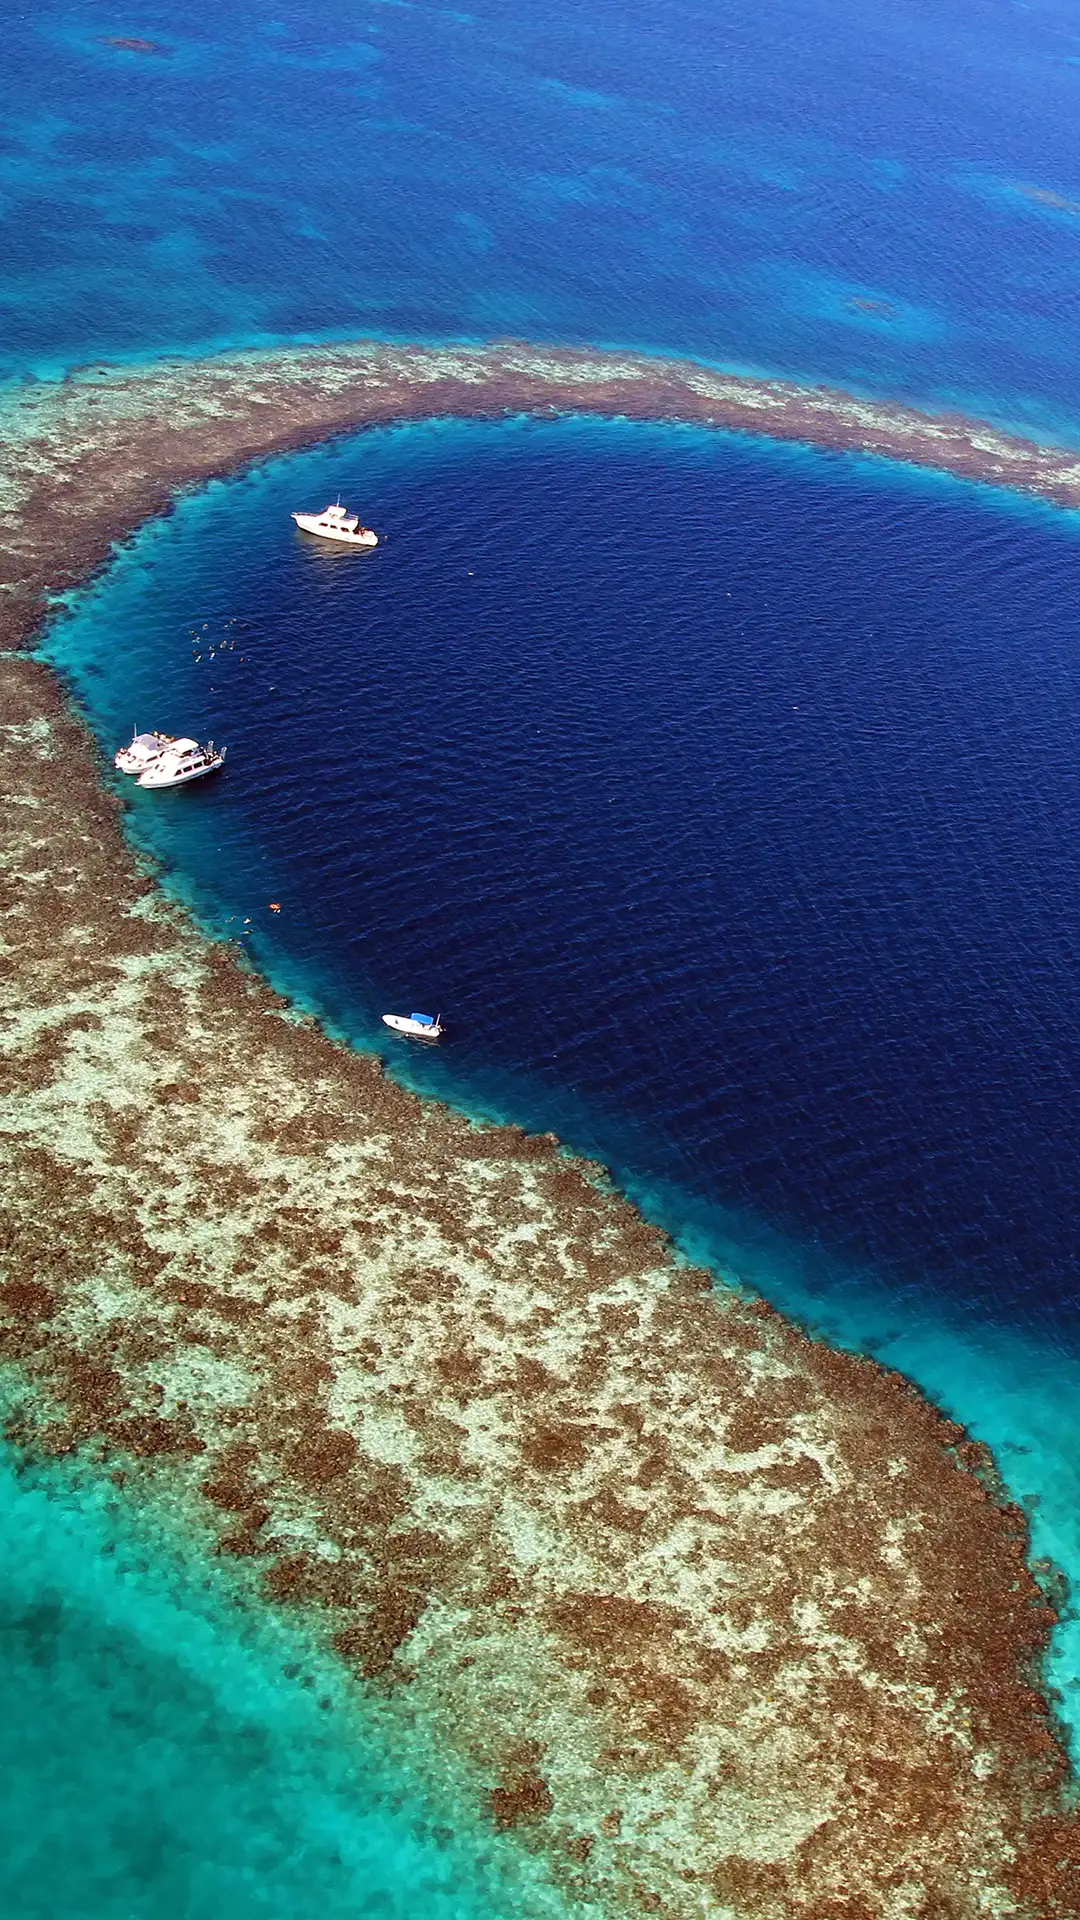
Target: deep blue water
(725,800)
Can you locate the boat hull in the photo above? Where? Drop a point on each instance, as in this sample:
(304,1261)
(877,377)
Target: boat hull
(398,1023)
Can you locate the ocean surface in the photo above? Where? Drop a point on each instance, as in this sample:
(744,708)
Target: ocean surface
(887,197)
(723,798)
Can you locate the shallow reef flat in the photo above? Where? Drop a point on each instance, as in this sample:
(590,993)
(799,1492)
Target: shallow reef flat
(712,1619)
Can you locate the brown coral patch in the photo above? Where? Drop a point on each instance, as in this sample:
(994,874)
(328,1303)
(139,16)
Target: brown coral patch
(374,1642)
(28,1300)
(522,1794)
(322,1454)
(558,1449)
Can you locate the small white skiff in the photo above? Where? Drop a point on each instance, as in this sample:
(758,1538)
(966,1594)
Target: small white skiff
(144,749)
(420,1026)
(337,523)
(181,761)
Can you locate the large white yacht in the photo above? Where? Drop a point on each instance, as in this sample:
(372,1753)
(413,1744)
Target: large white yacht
(181,761)
(143,750)
(337,523)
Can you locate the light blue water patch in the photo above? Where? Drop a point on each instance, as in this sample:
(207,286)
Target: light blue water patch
(1029,198)
(169,1749)
(850,304)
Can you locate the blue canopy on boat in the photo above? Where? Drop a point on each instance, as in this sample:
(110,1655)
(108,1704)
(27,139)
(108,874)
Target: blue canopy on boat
(423,1019)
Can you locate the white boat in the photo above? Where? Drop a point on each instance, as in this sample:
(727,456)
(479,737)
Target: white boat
(337,523)
(181,761)
(421,1026)
(144,749)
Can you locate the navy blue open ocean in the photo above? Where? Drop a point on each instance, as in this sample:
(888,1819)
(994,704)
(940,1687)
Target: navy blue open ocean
(725,798)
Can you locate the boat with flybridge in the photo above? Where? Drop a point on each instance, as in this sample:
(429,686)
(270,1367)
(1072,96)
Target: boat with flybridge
(182,761)
(337,523)
(142,750)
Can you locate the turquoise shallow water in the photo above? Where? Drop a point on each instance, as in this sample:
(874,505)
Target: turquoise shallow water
(168,1749)
(724,799)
